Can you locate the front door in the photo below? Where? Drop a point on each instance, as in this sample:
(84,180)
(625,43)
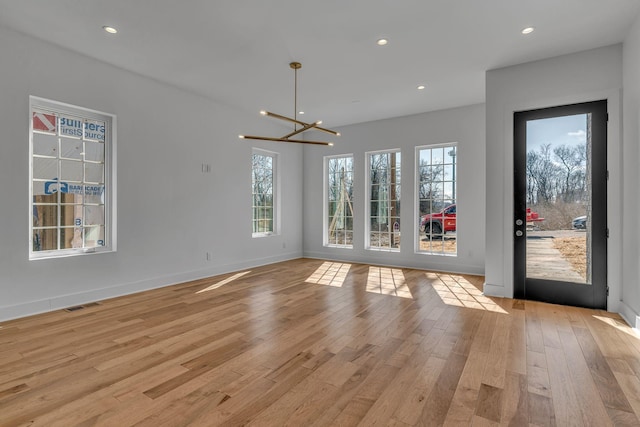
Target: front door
(560,205)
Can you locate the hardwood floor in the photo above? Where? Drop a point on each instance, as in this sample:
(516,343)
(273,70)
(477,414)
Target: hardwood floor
(315,343)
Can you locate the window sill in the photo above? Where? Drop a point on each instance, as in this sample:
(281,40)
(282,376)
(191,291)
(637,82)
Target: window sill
(445,254)
(68,253)
(259,235)
(384,249)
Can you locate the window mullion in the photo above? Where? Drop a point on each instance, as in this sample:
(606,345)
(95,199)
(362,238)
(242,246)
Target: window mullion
(59,194)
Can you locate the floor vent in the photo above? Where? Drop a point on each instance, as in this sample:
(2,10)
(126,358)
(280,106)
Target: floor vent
(80,307)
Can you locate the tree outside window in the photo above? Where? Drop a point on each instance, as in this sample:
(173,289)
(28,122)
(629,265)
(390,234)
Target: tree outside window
(263,185)
(436,231)
(339,201)
(384,200)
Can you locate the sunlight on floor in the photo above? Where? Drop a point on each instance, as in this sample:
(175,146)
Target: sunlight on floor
(330,274)
(456,290)
(619,324)
(388,281)
(224,282)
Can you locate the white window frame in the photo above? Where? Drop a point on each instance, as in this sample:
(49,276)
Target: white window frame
(325,216)
(418,233)
(56,108)
(275,159)
(367,227)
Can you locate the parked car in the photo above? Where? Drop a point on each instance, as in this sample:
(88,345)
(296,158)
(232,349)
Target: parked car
(440,222)
(533,220)
(580,223)
(445,221)
(533,217)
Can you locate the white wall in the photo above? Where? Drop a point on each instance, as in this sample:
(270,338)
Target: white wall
(580,77)
(630,308)
(466,126)
(169,212)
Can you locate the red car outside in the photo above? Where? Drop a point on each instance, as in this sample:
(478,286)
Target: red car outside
(440,222)
(445,220)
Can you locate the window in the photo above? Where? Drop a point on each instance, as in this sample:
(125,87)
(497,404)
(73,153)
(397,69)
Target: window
(436,199)
(72,189)
(263,185)
(384,200)
(339,200)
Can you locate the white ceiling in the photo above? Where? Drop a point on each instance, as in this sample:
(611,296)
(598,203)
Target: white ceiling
(237,51)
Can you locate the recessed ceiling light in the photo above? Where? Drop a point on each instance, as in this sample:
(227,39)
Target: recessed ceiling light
(528,30)
(421,87)
(300,112)
(109,29)
(382,42)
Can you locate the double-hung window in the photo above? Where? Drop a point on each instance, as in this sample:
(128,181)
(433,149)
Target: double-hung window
(263,183)
(72,185)
(384,200)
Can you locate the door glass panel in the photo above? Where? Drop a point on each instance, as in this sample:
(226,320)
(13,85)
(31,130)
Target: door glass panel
(558,199)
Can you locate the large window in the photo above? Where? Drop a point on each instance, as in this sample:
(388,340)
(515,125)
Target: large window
(339,199)
(71,180)
(263,184)
(436,199)
(384,200)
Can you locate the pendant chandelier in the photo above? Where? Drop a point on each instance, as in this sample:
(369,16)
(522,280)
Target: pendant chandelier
(295,66)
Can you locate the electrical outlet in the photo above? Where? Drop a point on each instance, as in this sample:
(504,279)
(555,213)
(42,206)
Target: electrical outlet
(208,256)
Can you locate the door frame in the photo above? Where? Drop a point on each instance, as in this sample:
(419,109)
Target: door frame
(560,292)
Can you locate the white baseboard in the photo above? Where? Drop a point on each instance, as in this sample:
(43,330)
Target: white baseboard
(494,291)
(63,301)
(379,258)
(630,316)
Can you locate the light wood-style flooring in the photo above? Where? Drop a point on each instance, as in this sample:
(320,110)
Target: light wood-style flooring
(319,343)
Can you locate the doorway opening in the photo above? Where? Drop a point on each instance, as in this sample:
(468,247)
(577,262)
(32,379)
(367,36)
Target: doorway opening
(560,227)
